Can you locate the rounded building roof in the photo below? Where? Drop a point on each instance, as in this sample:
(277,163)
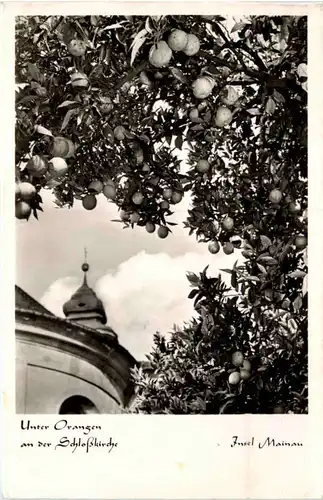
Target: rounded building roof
(84,300)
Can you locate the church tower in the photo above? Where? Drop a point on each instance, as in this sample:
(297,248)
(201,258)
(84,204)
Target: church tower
(86,308)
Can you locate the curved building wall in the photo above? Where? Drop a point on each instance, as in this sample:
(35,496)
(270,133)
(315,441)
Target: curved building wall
(63,363)
(46,377)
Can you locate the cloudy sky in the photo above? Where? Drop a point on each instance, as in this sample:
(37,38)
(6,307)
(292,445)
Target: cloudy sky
(139,277)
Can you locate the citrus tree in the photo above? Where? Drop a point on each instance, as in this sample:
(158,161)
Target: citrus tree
(104,104)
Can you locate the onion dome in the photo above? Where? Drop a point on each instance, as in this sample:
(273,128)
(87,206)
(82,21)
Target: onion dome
(84,305)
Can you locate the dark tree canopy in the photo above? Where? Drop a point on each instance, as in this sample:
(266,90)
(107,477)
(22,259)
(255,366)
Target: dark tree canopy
(123,103)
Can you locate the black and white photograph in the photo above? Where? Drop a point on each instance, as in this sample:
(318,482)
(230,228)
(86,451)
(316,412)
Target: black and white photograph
(161,214)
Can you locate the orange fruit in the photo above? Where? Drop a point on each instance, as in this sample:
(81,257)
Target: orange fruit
(214,247)
(109,191)
(154,181)
(138,198)
(89,202)
(62,147)
(144,79)
(228,224)
(167,193)
(57,167)
(125,216)
(202,166)
(119,133)
(275,196)
(223,117)
(177,40)
(17,191)
(96,186)
(134,218)
(234,378)
(76,48)
(300,242)
(163,232)
(176,197)
(237,358)
(139,156)
(37,166)
(228,248)
(164,205)
(294,208)
(194,114)
(230,96)
(160,55)
(146,168)
(279,409)
(79,80)
(202,87)
(244,374)
(22,210)
(246,365)
(27,191)
(193,45)
(150,227)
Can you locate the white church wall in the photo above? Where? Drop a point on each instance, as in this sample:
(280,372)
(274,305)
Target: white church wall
(47,376)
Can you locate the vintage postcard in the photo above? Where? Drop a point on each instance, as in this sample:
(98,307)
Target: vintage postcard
(162,167)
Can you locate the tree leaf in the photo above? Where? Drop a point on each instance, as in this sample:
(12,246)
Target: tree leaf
(254,111)
(297,274)
(278,97)
(193,293)
(238,26)
(67,103)
(265,241)
(305,285)
(67,118)
(262,269)
(297,304)
(42,130)
(270,106)
(139,40)
(268,260)
(34,72)
(179,142)
(178,74)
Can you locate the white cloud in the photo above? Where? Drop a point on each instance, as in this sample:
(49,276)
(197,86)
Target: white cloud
(145,294)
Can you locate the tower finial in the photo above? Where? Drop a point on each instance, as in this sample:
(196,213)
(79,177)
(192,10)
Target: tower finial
(85,265)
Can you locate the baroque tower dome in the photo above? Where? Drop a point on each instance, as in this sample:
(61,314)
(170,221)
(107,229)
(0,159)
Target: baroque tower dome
(84,306)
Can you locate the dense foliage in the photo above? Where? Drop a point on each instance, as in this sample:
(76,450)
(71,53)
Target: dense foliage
(124,115)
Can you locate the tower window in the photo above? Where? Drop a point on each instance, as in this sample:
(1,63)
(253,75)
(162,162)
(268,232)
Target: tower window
(77,405)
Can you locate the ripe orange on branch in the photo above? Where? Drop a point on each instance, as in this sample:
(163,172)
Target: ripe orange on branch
(57,167)
(214,247)
(237,358)
(203,86)
(27,191)
(76,48)
(177,40)
(223,117)
(37,166)
(202,166)
(234,378)
(275,196)
(62,147)
(160,55)
(192,46)
(89,202)
(22,210)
